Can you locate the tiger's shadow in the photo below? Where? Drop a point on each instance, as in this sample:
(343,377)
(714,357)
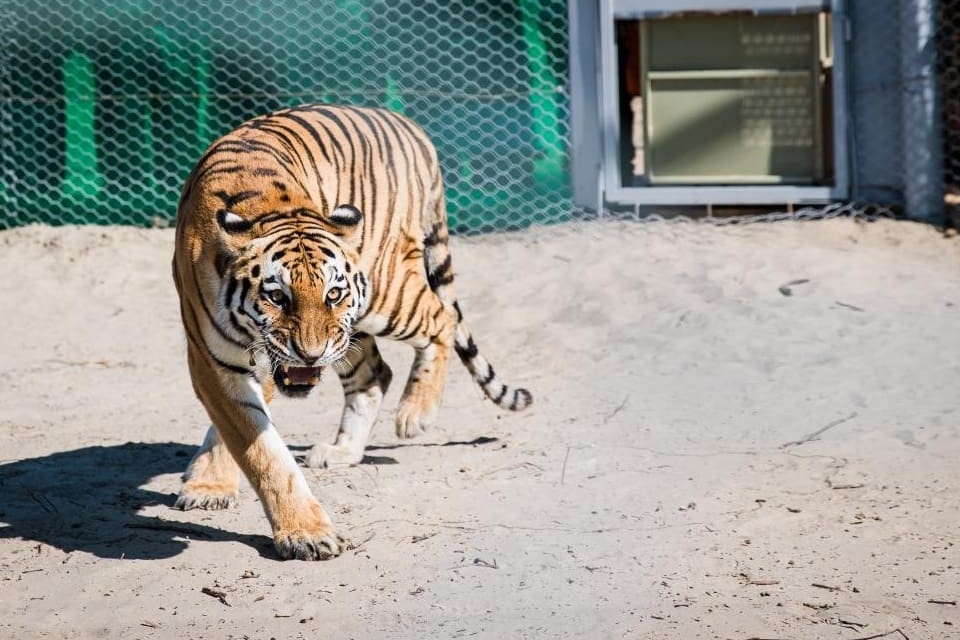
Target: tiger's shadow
(88,500)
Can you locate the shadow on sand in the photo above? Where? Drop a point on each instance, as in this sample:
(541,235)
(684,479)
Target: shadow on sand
(88,500)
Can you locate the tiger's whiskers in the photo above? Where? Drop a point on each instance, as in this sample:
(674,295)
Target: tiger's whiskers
(257,347)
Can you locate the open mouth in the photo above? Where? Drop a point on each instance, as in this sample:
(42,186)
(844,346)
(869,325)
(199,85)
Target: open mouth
(296,381)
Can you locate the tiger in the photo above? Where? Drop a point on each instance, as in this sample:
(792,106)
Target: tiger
(302,236)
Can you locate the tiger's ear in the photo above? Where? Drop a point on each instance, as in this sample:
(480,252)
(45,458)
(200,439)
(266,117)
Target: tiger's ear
(231,222)
(346,219)
(346,215)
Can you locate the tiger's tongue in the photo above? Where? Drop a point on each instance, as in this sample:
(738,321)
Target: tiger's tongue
(302,375)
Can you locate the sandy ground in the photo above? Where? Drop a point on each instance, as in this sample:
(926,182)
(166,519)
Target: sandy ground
(707,457)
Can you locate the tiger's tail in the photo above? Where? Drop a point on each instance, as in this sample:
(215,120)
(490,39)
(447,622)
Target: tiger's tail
(504,396)
(436,255)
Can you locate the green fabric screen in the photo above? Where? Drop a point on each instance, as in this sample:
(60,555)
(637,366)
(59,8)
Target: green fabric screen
(106,105)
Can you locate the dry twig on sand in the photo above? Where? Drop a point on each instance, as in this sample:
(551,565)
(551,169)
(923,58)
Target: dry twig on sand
(810,437)
(216,593)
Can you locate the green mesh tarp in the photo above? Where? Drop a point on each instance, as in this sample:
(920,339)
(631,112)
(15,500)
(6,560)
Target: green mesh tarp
(106,105)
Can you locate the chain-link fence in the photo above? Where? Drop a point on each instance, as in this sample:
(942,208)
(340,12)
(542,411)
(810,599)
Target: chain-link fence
(105,105)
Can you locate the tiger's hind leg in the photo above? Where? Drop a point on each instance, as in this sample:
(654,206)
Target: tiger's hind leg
(431,327)
(435,324)
(422,314)
(365,378)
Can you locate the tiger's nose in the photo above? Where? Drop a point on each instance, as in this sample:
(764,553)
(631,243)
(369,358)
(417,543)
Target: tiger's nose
(309,356)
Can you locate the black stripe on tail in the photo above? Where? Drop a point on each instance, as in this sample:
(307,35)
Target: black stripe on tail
(482,371)
(439,271)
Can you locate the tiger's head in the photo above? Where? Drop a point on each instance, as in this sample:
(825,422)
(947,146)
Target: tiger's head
(293,290)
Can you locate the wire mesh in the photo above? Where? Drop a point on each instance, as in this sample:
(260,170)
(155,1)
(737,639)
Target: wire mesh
(108,104)
(105,105)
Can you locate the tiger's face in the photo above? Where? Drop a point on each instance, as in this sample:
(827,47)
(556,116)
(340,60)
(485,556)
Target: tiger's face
(296,296)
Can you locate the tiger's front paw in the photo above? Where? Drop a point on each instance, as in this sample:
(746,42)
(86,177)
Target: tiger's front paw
(322,543)
(326,455)
(206,495)
(412,419)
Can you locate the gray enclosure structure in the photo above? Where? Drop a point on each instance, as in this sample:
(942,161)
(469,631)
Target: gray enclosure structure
(875,116)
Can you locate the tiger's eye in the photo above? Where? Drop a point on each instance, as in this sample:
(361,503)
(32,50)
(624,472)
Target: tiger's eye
(277,297)
(334,295)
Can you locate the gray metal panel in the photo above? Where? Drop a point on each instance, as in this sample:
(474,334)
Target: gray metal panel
(585,132)
(874,82)
(738,195)
(609,108)
(920,111)
(695,100)
(615,191)
(648,8)
(841,99)
(882,94)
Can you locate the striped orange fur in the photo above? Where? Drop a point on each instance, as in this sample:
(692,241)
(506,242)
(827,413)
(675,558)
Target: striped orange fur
(302,236)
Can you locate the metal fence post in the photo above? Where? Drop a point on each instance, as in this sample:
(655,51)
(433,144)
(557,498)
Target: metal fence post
(921,128)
